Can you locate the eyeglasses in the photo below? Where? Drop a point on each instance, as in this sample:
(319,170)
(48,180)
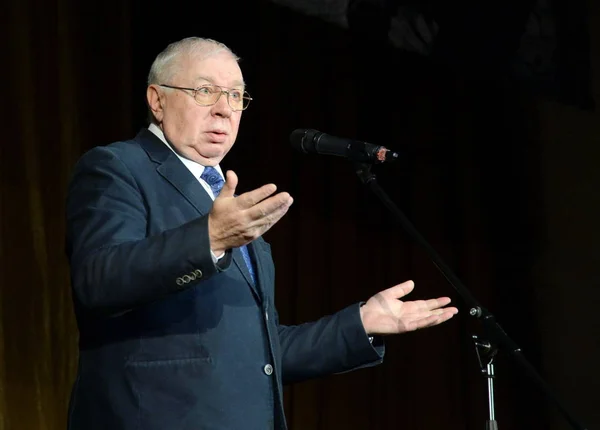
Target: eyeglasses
(208,95)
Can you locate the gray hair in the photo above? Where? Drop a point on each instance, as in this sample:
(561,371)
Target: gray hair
(166,64)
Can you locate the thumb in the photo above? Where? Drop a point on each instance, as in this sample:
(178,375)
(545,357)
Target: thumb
(231,181)
(400,290)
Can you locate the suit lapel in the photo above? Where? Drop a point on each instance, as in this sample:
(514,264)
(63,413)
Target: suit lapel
(181,178)
(172,169)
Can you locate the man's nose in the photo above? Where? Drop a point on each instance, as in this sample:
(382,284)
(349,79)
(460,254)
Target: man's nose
(221,107)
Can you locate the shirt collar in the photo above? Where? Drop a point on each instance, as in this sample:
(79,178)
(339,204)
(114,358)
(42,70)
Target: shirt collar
(196,168)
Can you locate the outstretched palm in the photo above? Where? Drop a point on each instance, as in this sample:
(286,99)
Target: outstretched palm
(385,313)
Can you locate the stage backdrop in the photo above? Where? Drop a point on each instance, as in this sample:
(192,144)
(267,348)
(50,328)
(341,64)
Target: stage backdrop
(503,186)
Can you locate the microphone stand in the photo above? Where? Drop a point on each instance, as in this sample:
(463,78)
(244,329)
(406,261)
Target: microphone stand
(495,338)
(486,352)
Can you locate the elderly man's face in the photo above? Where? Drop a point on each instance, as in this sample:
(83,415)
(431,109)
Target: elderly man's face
(204,134)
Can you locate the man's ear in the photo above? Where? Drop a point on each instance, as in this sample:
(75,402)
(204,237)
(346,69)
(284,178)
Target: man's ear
(155,102)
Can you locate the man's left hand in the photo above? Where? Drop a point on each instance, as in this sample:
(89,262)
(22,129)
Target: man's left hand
(385,313)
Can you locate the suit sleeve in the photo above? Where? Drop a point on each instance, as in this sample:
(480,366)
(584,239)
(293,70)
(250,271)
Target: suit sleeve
(114,265)
(336,343)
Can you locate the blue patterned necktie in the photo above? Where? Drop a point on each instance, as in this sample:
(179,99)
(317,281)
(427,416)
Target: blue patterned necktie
(214,179)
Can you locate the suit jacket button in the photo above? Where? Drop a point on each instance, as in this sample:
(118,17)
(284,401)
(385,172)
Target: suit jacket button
(186,279)
(198,273)
(268,369)
(179,281)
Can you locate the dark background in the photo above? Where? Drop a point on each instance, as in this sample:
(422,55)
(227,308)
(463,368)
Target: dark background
(499,172)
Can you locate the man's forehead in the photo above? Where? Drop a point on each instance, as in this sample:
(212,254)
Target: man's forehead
(233,82)
(219,69)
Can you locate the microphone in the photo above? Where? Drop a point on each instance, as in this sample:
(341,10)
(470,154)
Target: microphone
(314,142)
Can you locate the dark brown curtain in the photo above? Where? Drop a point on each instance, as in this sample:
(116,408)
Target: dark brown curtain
(476,177)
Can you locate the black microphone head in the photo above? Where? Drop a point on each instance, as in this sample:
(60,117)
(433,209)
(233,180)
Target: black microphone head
(302,139)
(309,141)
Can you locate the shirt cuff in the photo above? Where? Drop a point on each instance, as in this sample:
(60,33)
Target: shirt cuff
(215,258)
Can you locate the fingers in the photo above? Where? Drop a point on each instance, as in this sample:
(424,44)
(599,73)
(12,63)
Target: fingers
(444,312)
(263,210)
(398,291)
(271,206)
(252,198)
(427,305)
(403,289)
(438,317)
(266,220)
(236,221)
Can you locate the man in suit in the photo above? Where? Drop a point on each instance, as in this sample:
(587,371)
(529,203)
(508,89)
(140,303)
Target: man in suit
(173,286)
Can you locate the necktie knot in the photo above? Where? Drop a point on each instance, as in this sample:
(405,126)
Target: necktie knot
(213,178)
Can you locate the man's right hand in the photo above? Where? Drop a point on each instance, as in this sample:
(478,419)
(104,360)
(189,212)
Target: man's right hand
(236,221)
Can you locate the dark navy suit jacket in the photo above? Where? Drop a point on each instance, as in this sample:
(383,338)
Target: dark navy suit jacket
(168,339)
